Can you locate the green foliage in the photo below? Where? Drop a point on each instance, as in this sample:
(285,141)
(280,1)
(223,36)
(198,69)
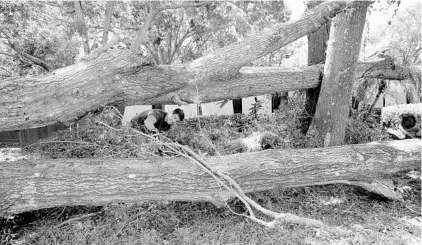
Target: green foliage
(405,34)
(51,31)
(256,107)
(363,128)
(222,133)
(206,135)
(92,140)
(29,26)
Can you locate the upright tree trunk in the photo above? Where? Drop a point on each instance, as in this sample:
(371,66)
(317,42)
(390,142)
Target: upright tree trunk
(329,123)
(82,29)
(317,46)
(107,21)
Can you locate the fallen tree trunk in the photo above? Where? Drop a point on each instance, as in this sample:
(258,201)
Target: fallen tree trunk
(34,183)
(31,104)
(402,120)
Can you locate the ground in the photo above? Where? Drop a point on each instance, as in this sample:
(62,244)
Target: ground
(351,215)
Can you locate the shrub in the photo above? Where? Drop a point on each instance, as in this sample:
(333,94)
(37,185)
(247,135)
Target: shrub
(363,129)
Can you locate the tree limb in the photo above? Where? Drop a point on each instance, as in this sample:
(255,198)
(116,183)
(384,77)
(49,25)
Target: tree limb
(141,36)
(31,58)
(156,9)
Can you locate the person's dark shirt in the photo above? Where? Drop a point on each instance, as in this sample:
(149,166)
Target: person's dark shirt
(160,124)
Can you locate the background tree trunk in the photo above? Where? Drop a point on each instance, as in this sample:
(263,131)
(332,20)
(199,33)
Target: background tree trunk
(82,29)
(329,123)
(107,21)
(317,46)
(42,183)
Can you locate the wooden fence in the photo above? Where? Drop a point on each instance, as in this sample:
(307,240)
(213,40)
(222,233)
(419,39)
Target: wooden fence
(28,136)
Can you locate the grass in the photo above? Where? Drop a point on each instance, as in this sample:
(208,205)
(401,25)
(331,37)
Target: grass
(359,217)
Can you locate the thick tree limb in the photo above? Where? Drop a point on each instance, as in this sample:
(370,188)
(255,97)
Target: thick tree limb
(43,101)
(37,183)
(385,68)
(216,66)
(141,36)
(33,59)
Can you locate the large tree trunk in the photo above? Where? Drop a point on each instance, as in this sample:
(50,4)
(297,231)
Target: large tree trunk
(37,102)
(35,183)
(330,120)
(317,45)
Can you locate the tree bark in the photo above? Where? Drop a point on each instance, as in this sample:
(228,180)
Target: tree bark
(82,29)
(107,21)
(142,34)
(34,183)
(329,124)
(317,46)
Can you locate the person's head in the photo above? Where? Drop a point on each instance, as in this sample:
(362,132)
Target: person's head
(176,116)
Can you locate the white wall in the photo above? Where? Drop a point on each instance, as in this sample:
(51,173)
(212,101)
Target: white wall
(213,108)
(208,109)
(265,100)
(131,111)
(394,95)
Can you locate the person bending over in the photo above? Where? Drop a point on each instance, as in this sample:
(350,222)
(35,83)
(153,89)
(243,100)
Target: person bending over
(156,120)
